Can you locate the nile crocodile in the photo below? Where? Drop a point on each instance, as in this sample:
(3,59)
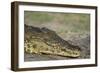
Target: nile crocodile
(45,41)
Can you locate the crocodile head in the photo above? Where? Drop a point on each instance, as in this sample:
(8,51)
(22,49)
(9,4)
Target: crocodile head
(39,47)
(45,41)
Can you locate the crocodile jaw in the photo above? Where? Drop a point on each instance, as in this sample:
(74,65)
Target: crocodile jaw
(60,53)
(63,53)
(45,49)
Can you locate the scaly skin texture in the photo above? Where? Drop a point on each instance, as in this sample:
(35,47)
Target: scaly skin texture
(45,41)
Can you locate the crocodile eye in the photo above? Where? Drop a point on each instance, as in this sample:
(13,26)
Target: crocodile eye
(46,49)
(75,53)
(63,49)
(34,46)
(28,45)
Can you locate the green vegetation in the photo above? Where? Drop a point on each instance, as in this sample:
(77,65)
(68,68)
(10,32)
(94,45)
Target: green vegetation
(38,18)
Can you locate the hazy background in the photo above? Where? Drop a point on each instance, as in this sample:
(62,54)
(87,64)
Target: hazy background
(67,25)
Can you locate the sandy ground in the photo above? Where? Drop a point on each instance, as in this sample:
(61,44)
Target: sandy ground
(37,57)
